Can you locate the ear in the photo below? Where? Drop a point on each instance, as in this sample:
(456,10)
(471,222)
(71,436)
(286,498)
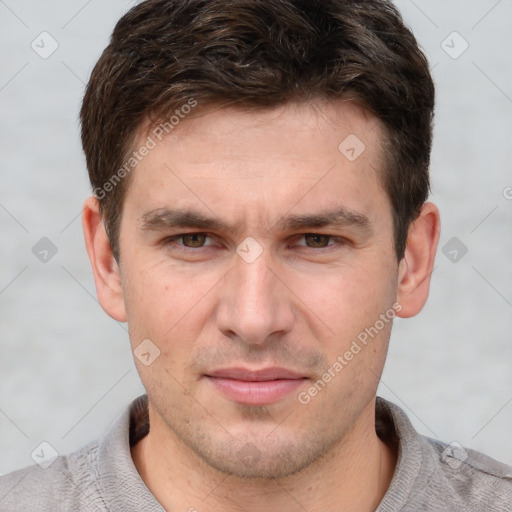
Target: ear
(104,266)
(416,266)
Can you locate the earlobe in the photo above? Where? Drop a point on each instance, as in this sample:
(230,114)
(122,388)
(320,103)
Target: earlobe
(417,264)
(104,266)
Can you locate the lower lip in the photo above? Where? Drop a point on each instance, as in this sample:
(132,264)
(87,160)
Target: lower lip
(256,393)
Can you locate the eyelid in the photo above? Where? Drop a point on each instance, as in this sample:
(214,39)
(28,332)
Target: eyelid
(333,240)
(302,237)
(174,238)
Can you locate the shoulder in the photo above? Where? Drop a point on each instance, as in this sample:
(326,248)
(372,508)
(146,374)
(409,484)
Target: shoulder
(472,478)
(99,477)
(68,483)
(431,475)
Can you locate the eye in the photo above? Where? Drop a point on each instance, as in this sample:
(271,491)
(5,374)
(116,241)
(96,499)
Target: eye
(316,240)
(191,240)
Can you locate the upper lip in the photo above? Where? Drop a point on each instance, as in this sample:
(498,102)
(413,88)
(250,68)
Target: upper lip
(260,375)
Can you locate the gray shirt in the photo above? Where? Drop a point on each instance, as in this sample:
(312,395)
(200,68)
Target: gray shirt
(430,476)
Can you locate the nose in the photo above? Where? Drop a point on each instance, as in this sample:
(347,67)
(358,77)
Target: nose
(254,305)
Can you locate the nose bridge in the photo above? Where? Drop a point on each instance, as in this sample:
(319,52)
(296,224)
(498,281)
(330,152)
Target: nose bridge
(254,282)
(254,305)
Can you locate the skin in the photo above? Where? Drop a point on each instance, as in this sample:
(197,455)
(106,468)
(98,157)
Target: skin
(299,306)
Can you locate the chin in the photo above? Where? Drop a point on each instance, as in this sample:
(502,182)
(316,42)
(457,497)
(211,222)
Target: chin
(260,459)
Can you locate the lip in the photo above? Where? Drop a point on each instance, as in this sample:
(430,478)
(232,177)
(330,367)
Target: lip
(261,375)
(255,387)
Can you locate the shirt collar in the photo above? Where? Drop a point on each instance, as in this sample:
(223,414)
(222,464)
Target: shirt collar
(120,484)
(123,489)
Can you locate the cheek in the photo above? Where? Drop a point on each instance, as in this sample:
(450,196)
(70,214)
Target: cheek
(346,300)
(152,298)
(164,307)
(162,299)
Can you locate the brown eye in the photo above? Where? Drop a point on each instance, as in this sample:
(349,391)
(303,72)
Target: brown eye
(194,240)
(317,241)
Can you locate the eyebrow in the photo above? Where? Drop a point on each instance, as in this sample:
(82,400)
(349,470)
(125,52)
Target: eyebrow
(341,217)
(164,219)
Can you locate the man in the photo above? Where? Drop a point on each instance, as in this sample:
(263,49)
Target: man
(259,218)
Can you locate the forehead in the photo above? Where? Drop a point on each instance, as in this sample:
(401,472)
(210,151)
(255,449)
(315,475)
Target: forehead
(322,121)
(304,151)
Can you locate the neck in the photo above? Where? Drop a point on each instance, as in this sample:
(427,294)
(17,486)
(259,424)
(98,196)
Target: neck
(353,476)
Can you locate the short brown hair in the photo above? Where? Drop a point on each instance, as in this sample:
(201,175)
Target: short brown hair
(260,54)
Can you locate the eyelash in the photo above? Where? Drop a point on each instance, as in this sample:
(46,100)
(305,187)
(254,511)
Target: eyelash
(331,238)
(173,239)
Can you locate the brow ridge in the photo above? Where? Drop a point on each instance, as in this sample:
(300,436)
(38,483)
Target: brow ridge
(165,218)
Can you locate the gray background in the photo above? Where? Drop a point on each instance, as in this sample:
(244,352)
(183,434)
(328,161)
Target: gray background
(65,367)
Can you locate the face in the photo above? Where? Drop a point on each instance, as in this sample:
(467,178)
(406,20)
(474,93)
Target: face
(254,254)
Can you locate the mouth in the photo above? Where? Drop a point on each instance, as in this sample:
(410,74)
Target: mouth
(255,387)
